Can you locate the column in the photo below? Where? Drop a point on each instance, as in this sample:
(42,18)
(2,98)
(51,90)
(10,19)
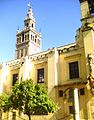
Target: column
(56,66)
(76,105)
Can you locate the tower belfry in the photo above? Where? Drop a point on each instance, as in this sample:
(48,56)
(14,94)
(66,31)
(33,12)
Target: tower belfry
(28,41)
(87,8)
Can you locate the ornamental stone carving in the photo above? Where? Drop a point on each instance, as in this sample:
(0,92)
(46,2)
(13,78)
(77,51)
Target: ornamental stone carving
(91,72)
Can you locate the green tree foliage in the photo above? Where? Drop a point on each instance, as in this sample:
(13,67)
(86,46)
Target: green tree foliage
(31,99)
(4,102)
(42,103)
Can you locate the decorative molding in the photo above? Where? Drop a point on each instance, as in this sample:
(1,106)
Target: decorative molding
(91,72)
(39,56)
(67,49)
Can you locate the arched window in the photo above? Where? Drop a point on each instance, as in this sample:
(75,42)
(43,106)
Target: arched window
(32,25)
(31,37)
(27,25)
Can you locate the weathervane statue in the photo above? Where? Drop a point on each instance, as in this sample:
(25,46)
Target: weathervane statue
(29,5)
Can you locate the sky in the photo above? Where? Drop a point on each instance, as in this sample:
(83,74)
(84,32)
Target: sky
(58,21)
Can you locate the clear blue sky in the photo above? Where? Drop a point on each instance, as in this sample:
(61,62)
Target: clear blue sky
(57,19)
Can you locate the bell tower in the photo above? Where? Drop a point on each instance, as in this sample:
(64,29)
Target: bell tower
(87,8)
(28,41)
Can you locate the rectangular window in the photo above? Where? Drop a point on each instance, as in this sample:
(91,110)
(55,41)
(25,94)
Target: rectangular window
(31,37)
(15,78)
(40,75)
(71,95)
(82,92)
(60,93)
(22,37)
(71,109)
(73,70)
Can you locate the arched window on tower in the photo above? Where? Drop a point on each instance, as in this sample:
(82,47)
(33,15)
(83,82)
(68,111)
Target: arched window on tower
(32,25)
(31,37)
(27,25)
(22,37)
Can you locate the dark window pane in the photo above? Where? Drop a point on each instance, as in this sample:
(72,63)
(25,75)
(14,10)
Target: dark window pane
(31,37)
(82,92)
(22,37)
(71,109)
(60,93)
(15,78)
(27,25)
(40,75)
(73,70)
(32,25)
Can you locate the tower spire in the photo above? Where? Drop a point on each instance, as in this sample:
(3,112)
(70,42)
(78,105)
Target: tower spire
(29,5)
(29,13)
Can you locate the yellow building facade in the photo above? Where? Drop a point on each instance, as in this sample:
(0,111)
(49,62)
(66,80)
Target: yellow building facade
(67,71)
